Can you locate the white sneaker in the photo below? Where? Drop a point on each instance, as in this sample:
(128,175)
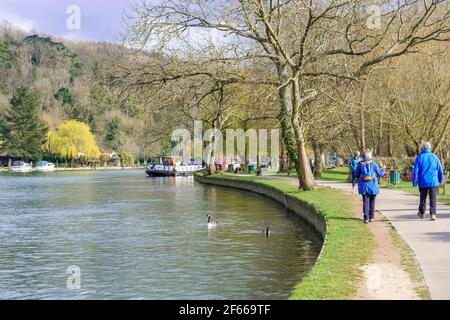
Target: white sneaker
(433,217)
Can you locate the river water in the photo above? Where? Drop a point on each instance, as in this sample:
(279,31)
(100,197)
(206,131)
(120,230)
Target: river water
(134,237)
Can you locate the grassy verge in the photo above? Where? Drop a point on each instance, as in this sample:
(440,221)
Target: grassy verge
(336,174)
(337,273)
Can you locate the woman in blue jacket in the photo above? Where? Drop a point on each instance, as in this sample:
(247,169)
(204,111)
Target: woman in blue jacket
(367,172)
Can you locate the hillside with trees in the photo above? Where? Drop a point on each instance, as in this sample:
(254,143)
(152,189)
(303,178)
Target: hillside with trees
(63,81)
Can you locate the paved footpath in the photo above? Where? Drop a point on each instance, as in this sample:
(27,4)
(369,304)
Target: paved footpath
(429,240)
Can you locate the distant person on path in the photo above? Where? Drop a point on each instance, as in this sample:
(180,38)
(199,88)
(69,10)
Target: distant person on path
(353,164)
(367,172)
(428,174)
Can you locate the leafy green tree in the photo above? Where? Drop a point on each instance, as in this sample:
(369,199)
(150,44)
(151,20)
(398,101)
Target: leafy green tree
(22,131)
(7,58)
(76,66)
(113,129)
(64,95)
(127,159)
(113,132)
(73,110)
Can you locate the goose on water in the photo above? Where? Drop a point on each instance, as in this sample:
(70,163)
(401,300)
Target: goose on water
(211,224)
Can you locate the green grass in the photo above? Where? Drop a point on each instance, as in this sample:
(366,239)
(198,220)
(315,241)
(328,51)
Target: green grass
(335,174)
(349,244)
(340,174)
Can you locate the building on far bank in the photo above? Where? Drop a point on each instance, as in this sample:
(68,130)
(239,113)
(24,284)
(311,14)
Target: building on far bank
(109,157)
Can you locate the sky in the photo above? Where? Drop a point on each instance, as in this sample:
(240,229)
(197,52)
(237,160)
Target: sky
(98,20)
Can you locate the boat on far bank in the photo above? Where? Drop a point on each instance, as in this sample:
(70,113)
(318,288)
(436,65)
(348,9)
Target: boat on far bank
(171,167)
(21,167)
(44,166)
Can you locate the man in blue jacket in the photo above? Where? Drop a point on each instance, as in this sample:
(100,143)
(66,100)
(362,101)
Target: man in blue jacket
(428,174)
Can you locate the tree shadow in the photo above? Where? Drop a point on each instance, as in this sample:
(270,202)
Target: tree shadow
(439,236)
(395,210)
(345,218)
(414,217)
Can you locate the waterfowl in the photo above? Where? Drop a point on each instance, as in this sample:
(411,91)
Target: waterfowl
(267,232)
(211,224)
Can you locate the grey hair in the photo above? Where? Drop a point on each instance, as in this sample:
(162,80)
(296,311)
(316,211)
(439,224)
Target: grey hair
(357,153)
(426,145)
(367,154)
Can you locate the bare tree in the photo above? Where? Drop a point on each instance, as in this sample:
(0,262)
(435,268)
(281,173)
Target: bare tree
(296,40)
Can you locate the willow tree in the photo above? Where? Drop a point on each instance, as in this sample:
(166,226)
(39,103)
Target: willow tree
(296,39)
(72,140)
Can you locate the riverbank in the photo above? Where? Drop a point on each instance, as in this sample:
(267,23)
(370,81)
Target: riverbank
(358,261)
(337,273)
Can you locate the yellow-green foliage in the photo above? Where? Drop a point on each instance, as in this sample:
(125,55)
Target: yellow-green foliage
(127,159)
(71,140)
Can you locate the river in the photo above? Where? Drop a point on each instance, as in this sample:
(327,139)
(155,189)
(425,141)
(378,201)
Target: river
(134,237)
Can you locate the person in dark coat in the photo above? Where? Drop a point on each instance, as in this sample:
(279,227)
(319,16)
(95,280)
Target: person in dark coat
(353,163)
(428,175)
(367,172)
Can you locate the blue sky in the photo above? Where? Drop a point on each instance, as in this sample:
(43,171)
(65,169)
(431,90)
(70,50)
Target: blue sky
(101,20)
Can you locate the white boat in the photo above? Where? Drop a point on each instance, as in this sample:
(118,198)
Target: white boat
(20,167)
(44,166)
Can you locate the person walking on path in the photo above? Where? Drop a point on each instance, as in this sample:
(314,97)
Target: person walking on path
(367,172)
(353,164)
(428,175)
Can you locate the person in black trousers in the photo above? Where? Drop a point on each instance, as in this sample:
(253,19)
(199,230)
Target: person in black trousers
(367,172)
(428,175)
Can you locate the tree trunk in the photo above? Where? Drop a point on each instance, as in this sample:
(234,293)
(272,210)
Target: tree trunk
(362,143)
(306,178)
(283,158)
(318,160)
(285,99)
(390,150)
(323,160)
(211,165)
(380,138)
(362,119)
